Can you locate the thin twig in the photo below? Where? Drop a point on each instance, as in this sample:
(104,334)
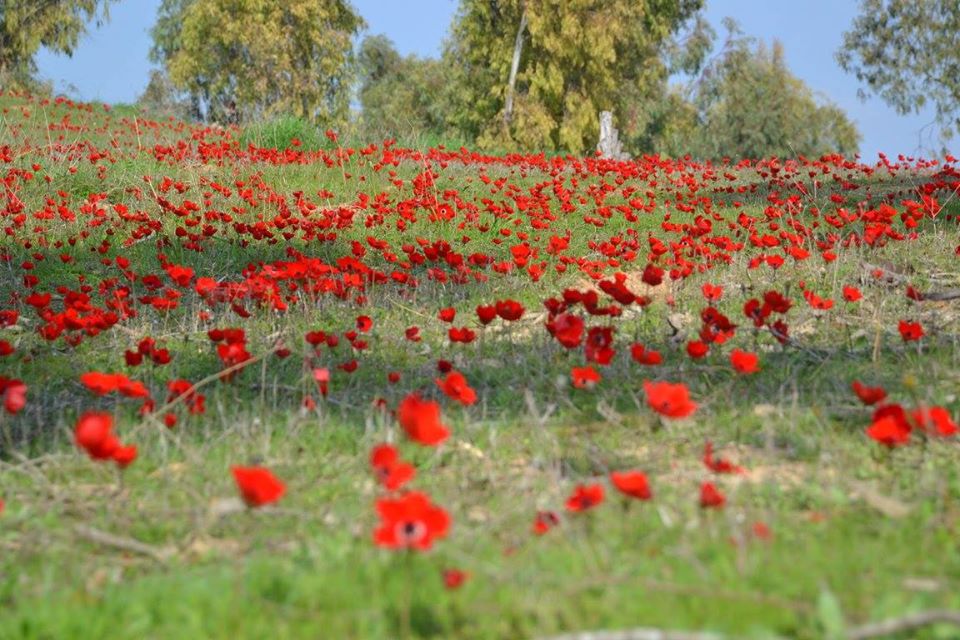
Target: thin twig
(160,554)
(905,623)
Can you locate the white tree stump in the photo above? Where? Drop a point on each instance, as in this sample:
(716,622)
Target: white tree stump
(609,145)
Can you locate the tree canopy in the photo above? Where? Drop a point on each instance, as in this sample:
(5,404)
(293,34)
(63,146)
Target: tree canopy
(746,103)
(908,53)
(27,25)
(576,58)
(247,59)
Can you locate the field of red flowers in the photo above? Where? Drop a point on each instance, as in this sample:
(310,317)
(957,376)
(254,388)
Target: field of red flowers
(372,391)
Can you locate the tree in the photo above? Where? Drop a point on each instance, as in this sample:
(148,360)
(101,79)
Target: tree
(908,53)
(746,104)
(161,98)
(575,58)
(27,25)
(260,58)
(399,96)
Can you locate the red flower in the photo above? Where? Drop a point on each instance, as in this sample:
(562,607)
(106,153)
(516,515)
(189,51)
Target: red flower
(544,521)
(889,431)
(410,522)
(851,294)
(509,309)
(14,395)
(668,399)
(420,420)
(455,387)
(718,465)
(412,334)
(597,348)
(697,349)
(464,334)
(93,433)
(868,395)
(645,356)
(585,497)
(454,578)
(567,329)
(125,455)
(486,313)
(743,361)
(712,292)
(364,324)
(935,421)
(910,331)
(710,496)
(632,483)
(584,377)
(652,275)
(258,486)
(448,314)
(390,470)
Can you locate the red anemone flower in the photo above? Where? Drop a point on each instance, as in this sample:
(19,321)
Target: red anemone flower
(585,497)
(668,399)
(420,420)
(258,486)
(584,377)
(410,522)
(390,470)
(455,387)
(711,497)
(632,483)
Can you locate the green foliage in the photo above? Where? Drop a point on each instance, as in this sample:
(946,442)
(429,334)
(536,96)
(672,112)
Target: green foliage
(577,58)
(747,104)
(282,133)
(906,52)
(257,59)
(400,96)
(161,98)
(27,25)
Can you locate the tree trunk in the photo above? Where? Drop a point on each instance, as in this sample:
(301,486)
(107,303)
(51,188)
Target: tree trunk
(514,67)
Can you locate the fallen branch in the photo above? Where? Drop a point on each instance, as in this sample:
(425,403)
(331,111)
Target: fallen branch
(905,623)
(160,554)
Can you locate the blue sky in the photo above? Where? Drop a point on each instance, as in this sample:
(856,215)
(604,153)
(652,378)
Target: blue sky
(111,63)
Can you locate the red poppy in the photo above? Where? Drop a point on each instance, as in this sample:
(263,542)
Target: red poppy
(455,387)
(454,578)
(910,331)
(710,496)
(509,309)
(364,324)
(14,395)
(712,292)
(668,399)
(697,349)
(412,334)
(420,420)
(486,313)
(851,294)
(718,465)
(889,431)
(584,377)
(744,362)
(598,345)
(544,521)
(410,522)
(389,469)
(645,356)
(585,497)
(632,483)
(463,334)
(258,486)
(934,421)
(448,314)
(567,329)
(868,395)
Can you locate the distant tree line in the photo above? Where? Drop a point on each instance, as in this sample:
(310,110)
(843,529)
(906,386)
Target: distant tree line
(515,74)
